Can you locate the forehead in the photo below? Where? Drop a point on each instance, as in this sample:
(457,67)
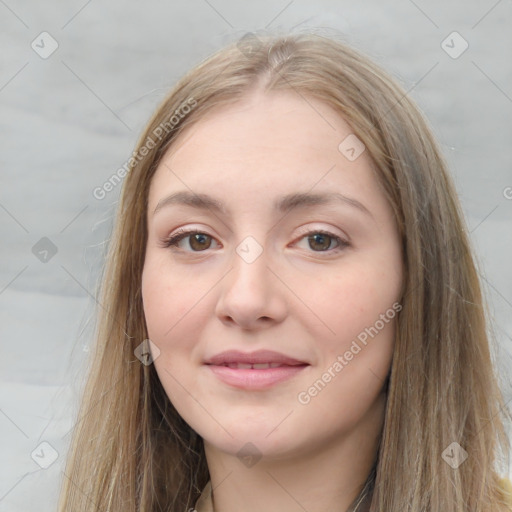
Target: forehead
(262,144)
(277,120)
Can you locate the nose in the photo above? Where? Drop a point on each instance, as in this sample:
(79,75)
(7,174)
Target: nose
(251,295)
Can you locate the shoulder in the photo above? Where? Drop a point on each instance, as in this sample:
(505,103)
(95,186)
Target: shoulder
(506,491)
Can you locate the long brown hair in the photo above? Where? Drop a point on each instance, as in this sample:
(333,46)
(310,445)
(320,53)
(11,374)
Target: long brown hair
(131,451)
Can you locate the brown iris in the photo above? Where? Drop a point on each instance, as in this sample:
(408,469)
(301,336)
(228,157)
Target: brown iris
(200,241)
(320,240)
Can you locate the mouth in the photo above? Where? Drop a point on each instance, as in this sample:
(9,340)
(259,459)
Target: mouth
(267,357)
(256,366)
(256,371)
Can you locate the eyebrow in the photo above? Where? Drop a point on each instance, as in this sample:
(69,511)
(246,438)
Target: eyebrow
(283,204)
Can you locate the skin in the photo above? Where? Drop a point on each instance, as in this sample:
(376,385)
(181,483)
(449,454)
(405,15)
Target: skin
(294,298)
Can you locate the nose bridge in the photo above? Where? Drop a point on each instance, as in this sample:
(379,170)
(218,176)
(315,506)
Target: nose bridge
(250,291)
(250,268)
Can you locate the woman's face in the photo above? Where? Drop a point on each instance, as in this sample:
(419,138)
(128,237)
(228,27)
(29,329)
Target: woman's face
(296,252)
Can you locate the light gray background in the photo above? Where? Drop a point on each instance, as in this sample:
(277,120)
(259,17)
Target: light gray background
(70,121)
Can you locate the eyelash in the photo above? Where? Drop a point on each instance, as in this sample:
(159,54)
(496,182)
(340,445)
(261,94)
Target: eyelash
(174,240)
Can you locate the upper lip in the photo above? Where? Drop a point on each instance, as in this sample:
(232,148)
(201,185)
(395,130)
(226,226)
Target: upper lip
(257,357)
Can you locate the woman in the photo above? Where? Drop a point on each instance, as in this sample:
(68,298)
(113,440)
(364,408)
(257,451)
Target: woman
(292,315)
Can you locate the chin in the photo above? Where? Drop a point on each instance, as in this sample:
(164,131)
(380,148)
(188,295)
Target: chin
(254,442)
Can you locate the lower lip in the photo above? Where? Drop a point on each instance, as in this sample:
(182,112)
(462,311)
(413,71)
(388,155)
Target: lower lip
(248,378)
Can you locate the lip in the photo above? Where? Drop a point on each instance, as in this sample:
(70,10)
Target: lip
(254,378)
(257,357)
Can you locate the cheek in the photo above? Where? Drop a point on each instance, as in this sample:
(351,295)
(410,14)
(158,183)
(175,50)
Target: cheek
(354,361)
(173,311)
(352,301)
(358,311)
(169,299)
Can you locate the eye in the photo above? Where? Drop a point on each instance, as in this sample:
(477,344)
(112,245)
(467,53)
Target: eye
(198,241)
(323,241)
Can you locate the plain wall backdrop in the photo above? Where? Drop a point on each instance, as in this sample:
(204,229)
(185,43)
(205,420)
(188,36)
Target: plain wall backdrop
(79,80)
